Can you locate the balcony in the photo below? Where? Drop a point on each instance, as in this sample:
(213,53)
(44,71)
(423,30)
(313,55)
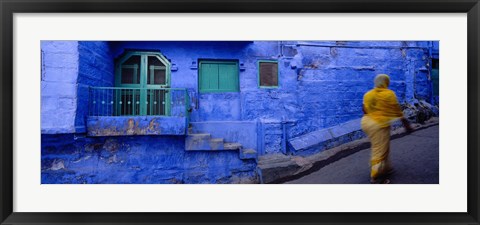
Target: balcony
(119,111)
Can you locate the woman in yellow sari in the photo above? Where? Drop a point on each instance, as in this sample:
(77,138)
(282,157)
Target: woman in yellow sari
(380,108)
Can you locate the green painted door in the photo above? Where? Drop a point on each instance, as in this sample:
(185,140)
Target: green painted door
(143,75)
(156,97)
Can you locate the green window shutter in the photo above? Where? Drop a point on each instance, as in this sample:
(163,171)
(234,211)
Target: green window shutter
(212,76)
(227,75)
(208,77)
(218,76)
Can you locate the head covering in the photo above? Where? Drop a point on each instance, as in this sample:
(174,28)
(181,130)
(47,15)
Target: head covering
(382,81)
(381,103)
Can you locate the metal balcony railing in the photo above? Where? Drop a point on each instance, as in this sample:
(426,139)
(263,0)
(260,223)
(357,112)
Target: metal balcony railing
(120,101)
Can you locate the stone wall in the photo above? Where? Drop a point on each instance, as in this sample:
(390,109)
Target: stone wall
(59,86)
(335,76)
(138,159)
(68,68)
(96,68)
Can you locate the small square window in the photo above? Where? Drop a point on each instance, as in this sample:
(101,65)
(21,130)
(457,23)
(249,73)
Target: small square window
(268,74)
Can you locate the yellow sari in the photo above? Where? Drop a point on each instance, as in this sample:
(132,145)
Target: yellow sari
(381,107)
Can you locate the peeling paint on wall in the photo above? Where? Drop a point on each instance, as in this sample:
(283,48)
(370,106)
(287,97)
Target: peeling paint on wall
(138,125)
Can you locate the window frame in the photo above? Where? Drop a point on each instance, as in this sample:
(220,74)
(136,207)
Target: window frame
(143,83)
(258,72)
(209,61)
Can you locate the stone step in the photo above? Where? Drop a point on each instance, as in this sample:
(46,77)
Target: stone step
(205,142)
(218,140)
(248,153)
(200,136)
(232,146)
(202,142)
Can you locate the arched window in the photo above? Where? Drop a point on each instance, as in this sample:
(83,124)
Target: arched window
(142,80)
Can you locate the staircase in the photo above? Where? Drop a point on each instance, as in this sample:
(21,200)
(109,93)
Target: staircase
(205,142)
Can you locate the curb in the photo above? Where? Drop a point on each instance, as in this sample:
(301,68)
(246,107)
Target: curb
(294,167)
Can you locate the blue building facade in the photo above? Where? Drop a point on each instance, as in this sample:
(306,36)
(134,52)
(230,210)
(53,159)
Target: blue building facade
(203,112)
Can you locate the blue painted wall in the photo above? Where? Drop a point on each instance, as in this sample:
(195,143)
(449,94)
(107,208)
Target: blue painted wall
(59,86)
(95,68)
(321,84)
(137,159)
(68,69)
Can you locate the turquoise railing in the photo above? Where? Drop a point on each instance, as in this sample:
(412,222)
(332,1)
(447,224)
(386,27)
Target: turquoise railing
(120,101)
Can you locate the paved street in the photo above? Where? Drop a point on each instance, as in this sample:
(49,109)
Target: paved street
(415,158)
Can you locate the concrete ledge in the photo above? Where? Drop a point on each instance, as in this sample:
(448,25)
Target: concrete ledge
(281,168)
(248,154)
(135,125)
(326,138)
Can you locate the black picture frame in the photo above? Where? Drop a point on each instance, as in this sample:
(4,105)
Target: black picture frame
(9,7)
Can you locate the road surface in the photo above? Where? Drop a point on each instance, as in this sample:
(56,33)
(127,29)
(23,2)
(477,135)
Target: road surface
(415,158)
